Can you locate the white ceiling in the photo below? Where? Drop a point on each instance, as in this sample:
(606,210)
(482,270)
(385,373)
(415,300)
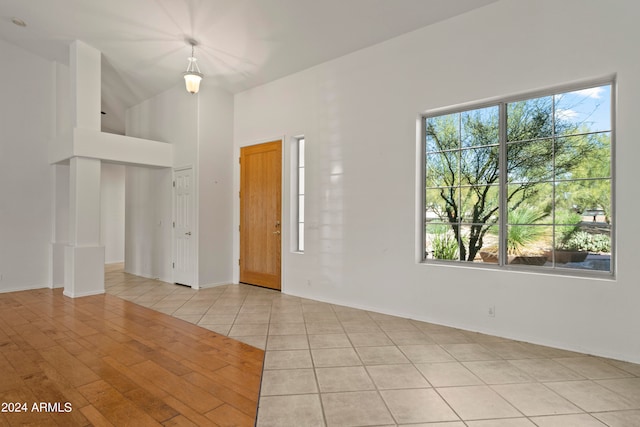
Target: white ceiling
(242,43)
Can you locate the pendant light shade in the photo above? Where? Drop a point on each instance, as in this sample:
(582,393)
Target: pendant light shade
(192,76)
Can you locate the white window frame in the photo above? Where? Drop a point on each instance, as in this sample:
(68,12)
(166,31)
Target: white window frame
(502,103)
(299,197)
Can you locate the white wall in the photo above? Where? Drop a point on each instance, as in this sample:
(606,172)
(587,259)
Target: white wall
(215,183)
(200,129)
(171,118)
(359,113)
(112,202)
(168,117)
(147,222)
(27,123)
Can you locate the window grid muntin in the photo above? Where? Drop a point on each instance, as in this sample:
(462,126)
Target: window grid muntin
(609,85)
(300,193)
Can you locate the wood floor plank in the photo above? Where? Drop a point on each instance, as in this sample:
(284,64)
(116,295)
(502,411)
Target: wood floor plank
(170,361)
(188,412)
(69,366)
(178,387)
(152,405)
(10,379)
(135,376)
(246,361)
(228,416)
(116,408)
(117,363)
(21,362)
(95,417)
(74,324)
(204,361)
(68,390)
(179,421)
(72,343)
(48,328)
(249,393)
(240,377)
(106,346)
(11,316)
(228,395)
(25,416)
(44,390)
(108,373)
(6,330)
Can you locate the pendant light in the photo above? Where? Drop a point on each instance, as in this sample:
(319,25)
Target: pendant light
(193,75)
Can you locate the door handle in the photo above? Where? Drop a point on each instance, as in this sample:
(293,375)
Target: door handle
(188,233)
(276,232)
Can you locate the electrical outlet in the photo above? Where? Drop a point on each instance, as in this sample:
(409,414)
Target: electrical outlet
(492,311)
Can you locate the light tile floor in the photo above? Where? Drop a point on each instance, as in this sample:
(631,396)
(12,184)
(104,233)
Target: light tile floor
(337,366)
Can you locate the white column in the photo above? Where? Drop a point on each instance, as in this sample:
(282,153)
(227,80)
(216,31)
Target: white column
(60,180)
(86,85)
(84,256)
(60,209)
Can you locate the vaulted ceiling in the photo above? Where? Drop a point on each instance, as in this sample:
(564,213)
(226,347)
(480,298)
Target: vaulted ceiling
(242,43)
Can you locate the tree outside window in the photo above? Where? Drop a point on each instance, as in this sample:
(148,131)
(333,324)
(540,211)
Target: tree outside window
(519,182)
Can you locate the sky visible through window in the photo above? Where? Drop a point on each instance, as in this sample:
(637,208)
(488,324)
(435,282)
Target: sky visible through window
(587,107)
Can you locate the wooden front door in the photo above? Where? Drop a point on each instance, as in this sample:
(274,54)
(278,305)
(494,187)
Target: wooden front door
(260,214)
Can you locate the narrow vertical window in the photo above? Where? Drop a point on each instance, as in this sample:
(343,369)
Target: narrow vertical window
(300,201)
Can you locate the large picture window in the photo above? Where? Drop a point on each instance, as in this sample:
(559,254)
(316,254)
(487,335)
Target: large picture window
(522,183)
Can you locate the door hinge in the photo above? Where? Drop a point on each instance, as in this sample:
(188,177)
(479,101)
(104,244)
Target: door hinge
(173,265)
(174,224)
(238,261)
(238,228)
(240,160)
(174,184)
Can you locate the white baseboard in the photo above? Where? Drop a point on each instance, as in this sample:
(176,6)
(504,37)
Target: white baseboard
(25,288)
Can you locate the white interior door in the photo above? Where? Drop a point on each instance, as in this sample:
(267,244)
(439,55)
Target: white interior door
(184,228)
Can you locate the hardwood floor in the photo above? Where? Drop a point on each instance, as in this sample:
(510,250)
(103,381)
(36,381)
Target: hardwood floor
(108,361)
